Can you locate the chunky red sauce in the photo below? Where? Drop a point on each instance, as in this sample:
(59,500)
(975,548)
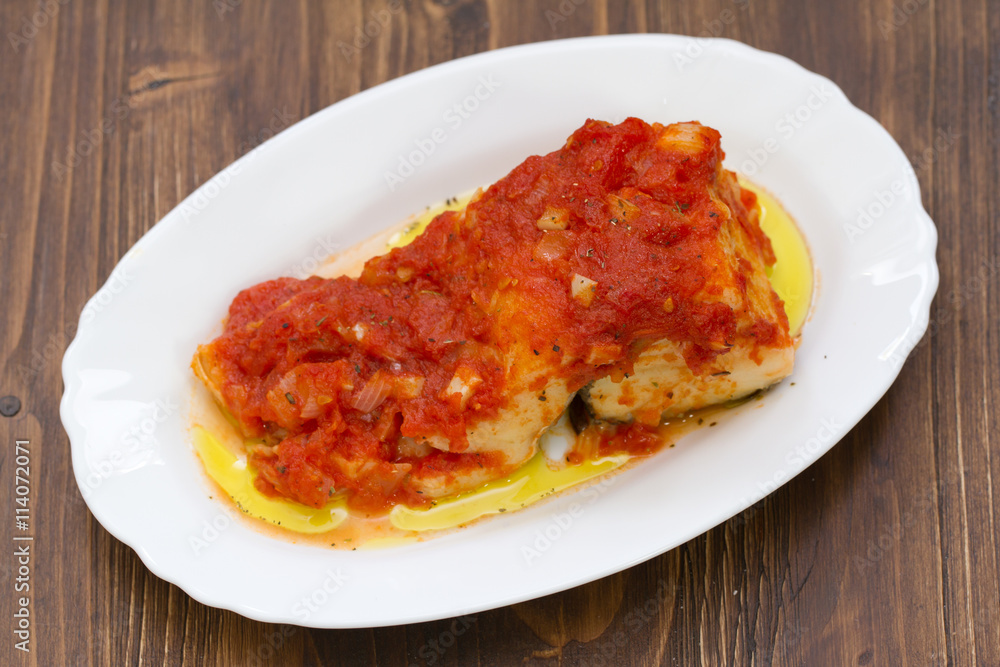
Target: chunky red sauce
(341,377)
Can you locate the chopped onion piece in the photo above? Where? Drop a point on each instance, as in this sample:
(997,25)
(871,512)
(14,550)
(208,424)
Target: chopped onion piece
(553,245)
(408,386)
(553,219)
(622,209)
(311,409)
(375,391)
(583,289)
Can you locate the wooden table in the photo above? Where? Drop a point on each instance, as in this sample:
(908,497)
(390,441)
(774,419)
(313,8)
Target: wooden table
(885,552)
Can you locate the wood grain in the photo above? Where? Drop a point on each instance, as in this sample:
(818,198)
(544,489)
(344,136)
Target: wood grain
(885,552)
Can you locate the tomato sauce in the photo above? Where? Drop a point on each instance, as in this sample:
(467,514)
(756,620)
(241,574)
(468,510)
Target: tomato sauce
(339,381)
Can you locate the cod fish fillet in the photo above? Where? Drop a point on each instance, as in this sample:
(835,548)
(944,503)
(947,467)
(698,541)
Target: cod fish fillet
(674,375)
(627,264)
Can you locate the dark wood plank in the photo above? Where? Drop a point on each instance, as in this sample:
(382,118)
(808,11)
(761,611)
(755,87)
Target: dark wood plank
(883,552)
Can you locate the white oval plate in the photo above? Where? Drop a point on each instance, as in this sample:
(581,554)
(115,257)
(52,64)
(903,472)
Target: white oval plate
(322,185)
